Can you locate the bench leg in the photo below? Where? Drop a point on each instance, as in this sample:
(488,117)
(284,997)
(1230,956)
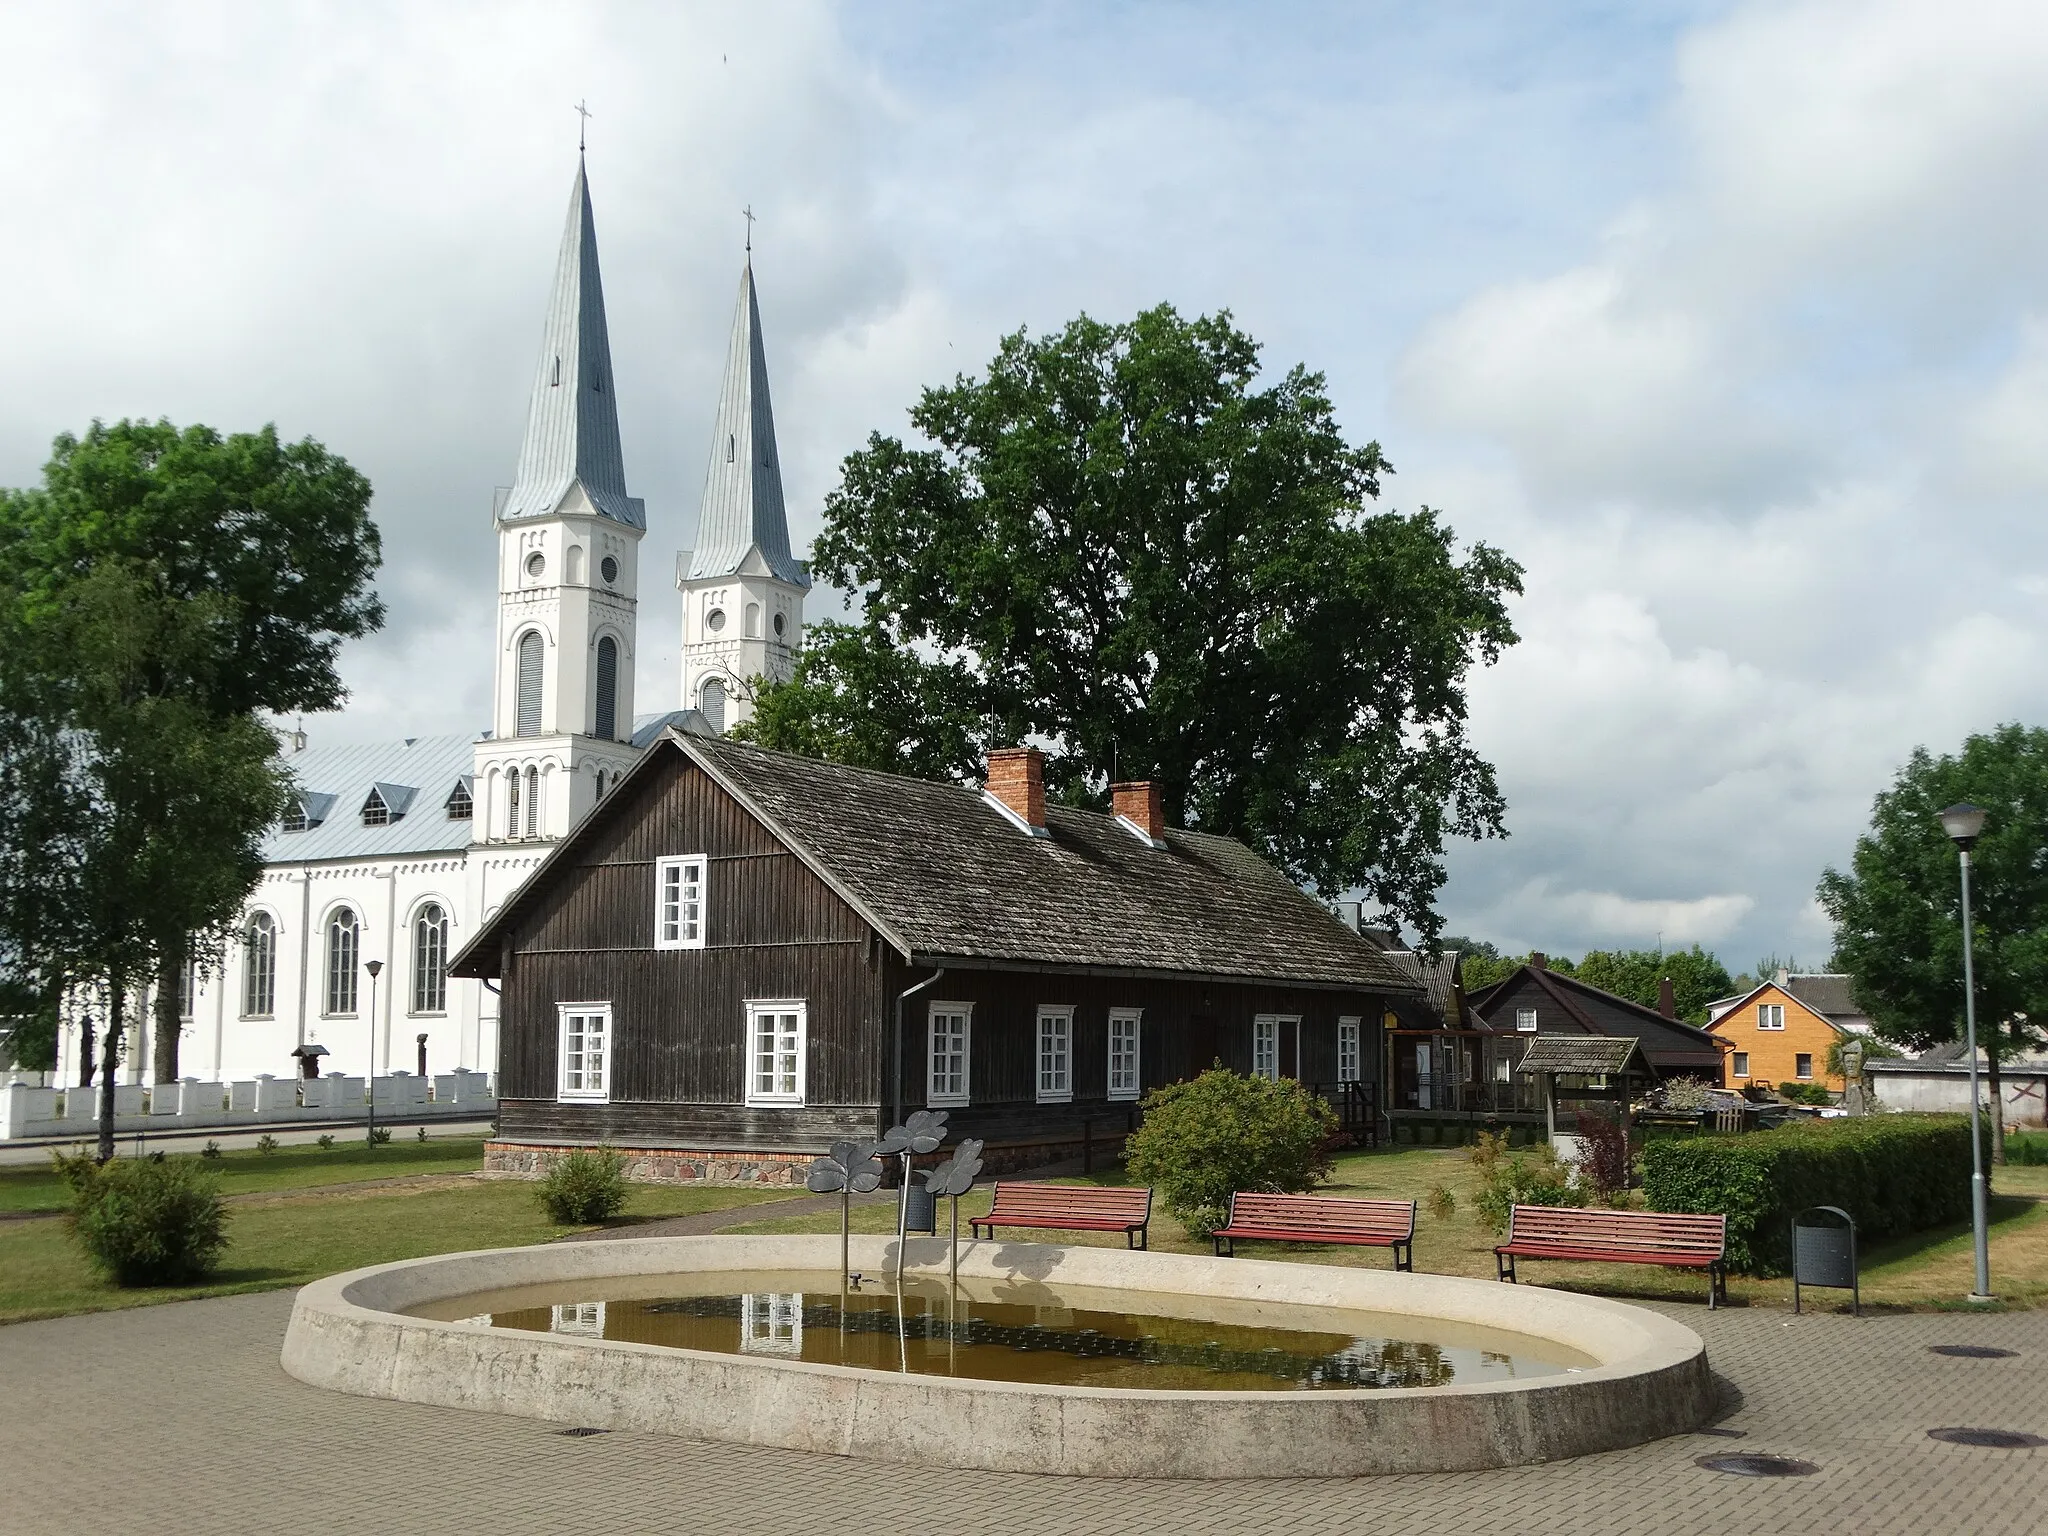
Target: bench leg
(1404,1257)
(1226,1247)
(1504,1267)
(1135,1238)
(1717,1285)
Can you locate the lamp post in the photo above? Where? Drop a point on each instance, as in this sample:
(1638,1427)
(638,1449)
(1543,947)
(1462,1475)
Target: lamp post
(374,967)
(1964,823)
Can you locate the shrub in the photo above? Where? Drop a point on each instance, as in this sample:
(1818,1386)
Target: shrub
(378,1136)
(143,1222)
(211,1149)
(1604,1163)
(1533,1176)
(1441,1203)
(1894,1173)
(326,1142)
(422,1137)
(1203,1140)
(1806,1093)
(266,1144)
(1683,1095)
(584,1186)
(2029,1148)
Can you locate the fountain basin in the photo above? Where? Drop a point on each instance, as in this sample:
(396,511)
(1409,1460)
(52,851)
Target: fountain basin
(1647,1375)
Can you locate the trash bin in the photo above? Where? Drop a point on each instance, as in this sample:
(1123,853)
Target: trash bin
(1824,1254)
(918,1209)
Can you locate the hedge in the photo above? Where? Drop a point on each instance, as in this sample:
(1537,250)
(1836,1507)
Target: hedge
(1894,1173)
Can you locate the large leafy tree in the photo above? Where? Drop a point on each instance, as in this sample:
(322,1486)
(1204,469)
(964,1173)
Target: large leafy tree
(1697,977)
(1897,909)
(179,584)
(1123,545)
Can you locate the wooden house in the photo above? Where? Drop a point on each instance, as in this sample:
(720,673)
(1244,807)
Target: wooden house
(1782,1032)
(740,956)
(1537,1000)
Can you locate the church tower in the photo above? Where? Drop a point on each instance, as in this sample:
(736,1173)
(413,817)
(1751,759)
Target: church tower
(743,592)
(568,574)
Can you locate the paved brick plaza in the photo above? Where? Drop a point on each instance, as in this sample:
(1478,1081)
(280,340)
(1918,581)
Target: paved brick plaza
(182,1416)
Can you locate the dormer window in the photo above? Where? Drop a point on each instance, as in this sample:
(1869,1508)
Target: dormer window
(295,818)
(307,810)
(387,803)
(375,812)
(461,804)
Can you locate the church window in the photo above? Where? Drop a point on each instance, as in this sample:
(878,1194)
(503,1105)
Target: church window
(753,621)
(609,569)
(781,625)
(375,812)
(531,653)
(607,689)
(512,816)
(600,783)
(259,967)
(461,804)
(715,620)
(188,987)
(343,941)
(536,563)
(575,565)
(533,802)
(712,703)
(430,960)
(679,903)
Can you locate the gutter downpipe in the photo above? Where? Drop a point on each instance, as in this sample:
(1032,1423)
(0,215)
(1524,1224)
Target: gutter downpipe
(896,1093)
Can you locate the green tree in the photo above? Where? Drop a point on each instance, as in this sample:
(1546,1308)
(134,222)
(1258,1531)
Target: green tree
(1486,965)
(1697,977)
(1123,547)
(272,539)
(1897,909)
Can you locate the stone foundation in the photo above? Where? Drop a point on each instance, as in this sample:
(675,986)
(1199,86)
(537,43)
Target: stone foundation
(677,1165)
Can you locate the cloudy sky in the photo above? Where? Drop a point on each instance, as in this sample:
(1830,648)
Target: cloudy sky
(1729,321)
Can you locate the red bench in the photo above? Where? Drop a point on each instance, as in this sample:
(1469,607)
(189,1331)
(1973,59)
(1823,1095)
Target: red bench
(1321,1219)
(1070,1208)
(1618,1237)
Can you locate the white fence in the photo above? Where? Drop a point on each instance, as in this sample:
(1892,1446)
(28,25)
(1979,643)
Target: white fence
(27,1111)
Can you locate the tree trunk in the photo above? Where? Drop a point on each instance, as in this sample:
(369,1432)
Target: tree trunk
(110,1060)
(170,1011)
(87,1042)
(1996,1095)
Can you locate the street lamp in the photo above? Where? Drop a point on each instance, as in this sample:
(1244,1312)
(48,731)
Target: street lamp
(1964,823)
(374,967)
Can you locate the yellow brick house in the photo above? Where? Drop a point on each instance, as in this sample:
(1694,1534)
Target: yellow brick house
(1775,1036)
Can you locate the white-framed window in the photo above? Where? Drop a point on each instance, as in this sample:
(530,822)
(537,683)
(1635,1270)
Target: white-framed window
(430,959)
(772,1323)
(1525,1021)
(1739,1067)
(1123,1052)
(1266,1047)
(775,1052)
(1055,1055)
(582,1318)
(1802,1067)
(586,1054)
(259,967)
(946,1074)
(1770,1015)
(1350,1056)
(344,942)
(679,902)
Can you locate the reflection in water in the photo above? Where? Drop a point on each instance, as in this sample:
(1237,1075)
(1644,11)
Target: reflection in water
(1006,1340)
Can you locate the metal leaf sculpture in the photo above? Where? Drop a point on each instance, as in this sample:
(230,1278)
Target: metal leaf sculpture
(850,1168)
(922,1132)
(955,1176)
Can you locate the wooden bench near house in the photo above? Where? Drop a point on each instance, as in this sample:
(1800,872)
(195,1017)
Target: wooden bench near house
(1070,1208)
(1618,1237)
(1321,1219)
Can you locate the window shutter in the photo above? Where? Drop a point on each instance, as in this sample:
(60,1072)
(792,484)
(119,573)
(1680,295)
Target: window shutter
(607,688)
(530,649)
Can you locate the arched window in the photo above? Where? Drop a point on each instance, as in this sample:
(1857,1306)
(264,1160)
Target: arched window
(753,621)
(533,802)
(600,783)
(512,803)
(259,967)
(531,649)
(606,727)
(575,565)
(430,960)
(713,703)
(343,940)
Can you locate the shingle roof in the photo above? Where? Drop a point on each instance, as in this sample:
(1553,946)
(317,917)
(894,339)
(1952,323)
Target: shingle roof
(1824,993)
(1582,1055)
(948,878)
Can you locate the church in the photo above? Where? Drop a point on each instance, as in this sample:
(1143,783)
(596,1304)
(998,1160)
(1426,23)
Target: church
(398,853)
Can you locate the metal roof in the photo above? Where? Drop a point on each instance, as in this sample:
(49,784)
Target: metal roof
(415,779)
(572,424)
(742,509)
(1583,1055)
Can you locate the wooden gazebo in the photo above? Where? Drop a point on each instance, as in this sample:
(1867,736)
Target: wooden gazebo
(1619,1061)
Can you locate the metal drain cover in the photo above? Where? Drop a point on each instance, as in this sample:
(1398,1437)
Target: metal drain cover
(1757,1466)
(581,1433)
(1996,1439)
(1972,1351)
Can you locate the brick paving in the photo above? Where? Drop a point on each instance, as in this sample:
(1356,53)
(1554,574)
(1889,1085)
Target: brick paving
(185,1408)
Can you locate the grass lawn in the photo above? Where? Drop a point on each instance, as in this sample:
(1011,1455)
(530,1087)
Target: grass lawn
(304,1213)
(1930,1269)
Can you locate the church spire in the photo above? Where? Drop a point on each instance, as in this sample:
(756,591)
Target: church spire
(570,460)
(742,510)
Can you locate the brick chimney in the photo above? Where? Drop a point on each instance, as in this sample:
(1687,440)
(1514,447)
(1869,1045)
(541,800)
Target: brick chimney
(1016,781)
(1538,961)
(1667,999)
(1139,805)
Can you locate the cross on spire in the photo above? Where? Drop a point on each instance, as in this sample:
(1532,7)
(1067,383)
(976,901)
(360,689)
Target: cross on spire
(747,213)
(583,127)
